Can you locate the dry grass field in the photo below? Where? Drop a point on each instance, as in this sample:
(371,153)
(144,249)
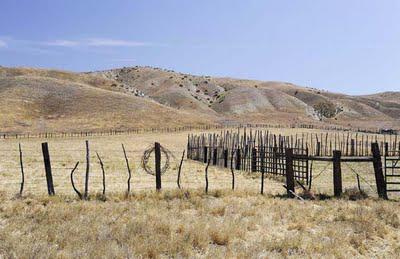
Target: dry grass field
(180,223)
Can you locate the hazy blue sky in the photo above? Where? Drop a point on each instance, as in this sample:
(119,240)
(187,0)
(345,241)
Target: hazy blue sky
(350,46)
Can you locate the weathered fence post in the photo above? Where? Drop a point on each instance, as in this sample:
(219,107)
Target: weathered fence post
(103,174)
(352,147)
(337,173)
(129,171)
(275,160)
(238,159)
(205,155)
(86,193)
(157,151)
(386,152)
(22,171)
(206,175)
(289,172)
(262,156)
(253,160)
(47,166)
(226,158)
(233,173)
(379,178)
(318,150)
(215,156)
(178,180)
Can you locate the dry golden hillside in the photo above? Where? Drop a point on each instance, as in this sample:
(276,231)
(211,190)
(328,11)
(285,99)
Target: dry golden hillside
(256,101)
(38,100)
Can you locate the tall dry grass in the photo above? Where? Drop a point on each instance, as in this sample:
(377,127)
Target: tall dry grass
(181,223)
(188,223)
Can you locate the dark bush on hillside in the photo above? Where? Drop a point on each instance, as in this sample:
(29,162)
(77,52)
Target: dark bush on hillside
(326,109)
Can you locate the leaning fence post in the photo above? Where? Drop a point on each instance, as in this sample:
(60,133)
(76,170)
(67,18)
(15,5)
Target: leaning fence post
(47,166)
(337,173)
(379,178)
(289,172)
(157,152)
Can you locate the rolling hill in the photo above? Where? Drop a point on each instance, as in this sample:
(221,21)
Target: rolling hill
(38,100)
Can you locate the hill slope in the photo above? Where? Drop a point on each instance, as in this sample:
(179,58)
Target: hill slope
(37,100)
(256,101)
(41,100)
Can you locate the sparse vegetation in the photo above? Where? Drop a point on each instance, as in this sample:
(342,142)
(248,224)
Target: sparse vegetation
(326,109)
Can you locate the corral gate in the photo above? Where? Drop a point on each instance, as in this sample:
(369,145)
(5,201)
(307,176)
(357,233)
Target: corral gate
(275,162)
(392,170)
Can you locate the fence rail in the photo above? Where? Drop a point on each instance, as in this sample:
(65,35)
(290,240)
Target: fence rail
(19,135)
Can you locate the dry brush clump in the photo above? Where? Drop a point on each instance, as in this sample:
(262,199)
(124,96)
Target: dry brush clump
(189,223)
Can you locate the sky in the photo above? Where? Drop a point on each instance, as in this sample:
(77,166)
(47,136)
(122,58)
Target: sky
(349,46)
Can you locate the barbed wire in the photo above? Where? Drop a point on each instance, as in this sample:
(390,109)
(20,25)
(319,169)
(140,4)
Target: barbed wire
(146,157)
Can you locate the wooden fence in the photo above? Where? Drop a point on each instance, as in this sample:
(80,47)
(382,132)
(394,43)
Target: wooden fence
(47,135)
(262,151)
(57,167)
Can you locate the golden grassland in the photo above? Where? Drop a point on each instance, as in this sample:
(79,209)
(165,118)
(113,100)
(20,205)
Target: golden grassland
(181,223)
(188,223)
